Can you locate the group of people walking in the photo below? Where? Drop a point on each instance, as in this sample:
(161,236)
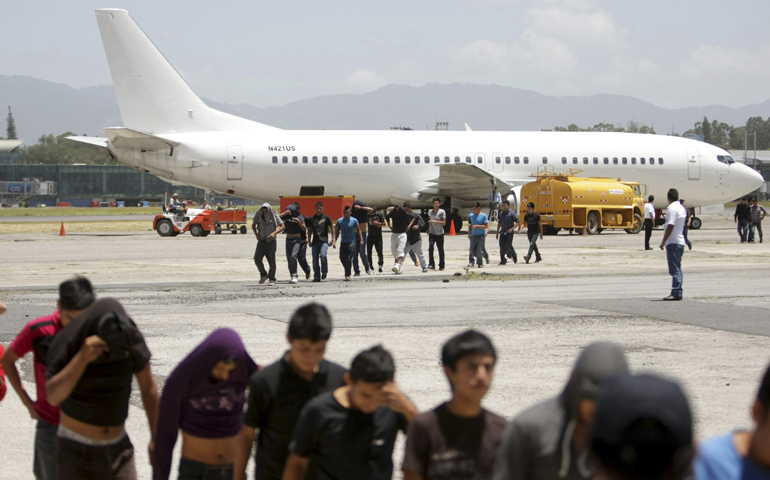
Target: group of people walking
(313,418)
(358,234)
(748,216)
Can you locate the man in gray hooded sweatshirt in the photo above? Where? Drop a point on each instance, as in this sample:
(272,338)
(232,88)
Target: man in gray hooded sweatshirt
(549,441)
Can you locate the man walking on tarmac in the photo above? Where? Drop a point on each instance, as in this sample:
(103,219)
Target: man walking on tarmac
(507,221)
(756,215)
(478,224)
(320,236)
(296,241)
(347,227)
(436,234)
(401,223)
(649,221)
(673,241)
(741,217)
(361,213)
(414,236)
(534,230)
(374,239)
(266,226)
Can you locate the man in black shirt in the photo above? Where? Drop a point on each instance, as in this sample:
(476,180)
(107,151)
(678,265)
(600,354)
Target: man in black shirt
(399,223)
(361,213)
(320,235)
(350,433)
(741,217)
(376,221)
(280,391)
(459,439)
(414,236)
(296,240)
(89,368)
(534,230)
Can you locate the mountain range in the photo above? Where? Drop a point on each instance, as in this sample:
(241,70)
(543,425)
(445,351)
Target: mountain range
(41,107)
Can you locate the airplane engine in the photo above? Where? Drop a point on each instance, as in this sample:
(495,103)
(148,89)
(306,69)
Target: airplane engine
(513,197)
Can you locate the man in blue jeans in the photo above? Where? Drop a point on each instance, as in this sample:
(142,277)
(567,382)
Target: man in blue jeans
(478,224)
(347,228)
(320,235)
(673,241)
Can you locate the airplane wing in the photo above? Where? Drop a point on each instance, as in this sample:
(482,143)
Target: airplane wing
(463,181)
(98,141)
(125,138)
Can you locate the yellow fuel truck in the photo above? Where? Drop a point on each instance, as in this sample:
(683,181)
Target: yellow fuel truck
(565,200)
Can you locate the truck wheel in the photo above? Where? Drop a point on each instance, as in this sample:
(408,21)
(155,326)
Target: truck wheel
(196,230)
(243,229)
(218,230)
(695,223)
(234,230)
(592,223)
(637,226)
(164,228)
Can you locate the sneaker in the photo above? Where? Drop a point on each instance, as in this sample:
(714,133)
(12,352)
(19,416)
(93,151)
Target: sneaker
(294,279)
(481,265)
(262,280)
(271,283)
(441,269)
(431,267)
(501,264)
(538,260)
(323,276)
(395,269)
(425,270)
(486,259)
(380,268)
(357,274)
(515,259)
(526,259)
(307,275)
(471,265)
(369,271)
(400,269)
(316,280)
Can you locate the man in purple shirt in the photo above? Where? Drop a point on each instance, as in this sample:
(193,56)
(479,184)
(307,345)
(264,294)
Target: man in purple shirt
(204,398)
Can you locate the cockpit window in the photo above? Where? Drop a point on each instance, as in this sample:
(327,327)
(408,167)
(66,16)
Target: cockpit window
(729,160)
(725,159)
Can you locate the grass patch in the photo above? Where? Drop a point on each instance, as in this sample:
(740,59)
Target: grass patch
(475,276)
(62,211)
(75,227)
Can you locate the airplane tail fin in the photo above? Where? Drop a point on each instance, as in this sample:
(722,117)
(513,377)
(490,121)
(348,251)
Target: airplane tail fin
(152,96)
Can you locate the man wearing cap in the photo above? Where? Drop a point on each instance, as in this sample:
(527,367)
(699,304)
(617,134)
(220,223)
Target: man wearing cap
(176,205)
(643,429)
(674,242)
(266,226)
(550,440)
(743,454)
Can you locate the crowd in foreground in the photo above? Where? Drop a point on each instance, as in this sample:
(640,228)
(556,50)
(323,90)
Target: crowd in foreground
(312,418)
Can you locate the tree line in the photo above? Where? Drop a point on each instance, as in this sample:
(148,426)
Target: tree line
(53,150)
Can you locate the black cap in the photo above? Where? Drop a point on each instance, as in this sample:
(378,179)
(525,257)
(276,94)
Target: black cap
(476,204)
(530,205)
(643,427)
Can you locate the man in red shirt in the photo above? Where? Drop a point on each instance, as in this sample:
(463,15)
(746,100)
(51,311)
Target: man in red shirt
(74,296)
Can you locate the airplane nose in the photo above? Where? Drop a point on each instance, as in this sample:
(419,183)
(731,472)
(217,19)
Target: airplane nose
(754,179)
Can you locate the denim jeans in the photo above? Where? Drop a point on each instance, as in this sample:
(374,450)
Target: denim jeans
(533,236)
(347,253)
(192,470)
(752,226)
(477,249)
(506,247)
(743,229)
(45,460)
(360,252)
(296,252)
(266,250)
(674,255)
(320,264)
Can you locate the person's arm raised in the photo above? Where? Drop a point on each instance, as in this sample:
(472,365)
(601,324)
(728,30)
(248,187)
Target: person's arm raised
(60,386)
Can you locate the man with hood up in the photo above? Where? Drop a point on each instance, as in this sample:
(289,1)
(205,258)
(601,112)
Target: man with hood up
(266,226)
(204,397)
(550,440)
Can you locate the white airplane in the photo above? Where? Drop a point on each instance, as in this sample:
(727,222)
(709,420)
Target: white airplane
(170,132)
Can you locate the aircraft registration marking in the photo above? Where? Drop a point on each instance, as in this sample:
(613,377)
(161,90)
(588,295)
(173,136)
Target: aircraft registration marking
(280,148)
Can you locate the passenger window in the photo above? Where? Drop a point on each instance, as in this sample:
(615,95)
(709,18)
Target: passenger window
(344,159)
(375,159)
(365,159)
(407,160)
(315,159)
(641,160)
(614,160)
(596,160)
(416,159)
(294,160)
(397,159)
(386,159)
(625,161)
(633,160)
(334,159)
(526,160)
(436,160)
(564,160)
(468,160)
(275,159)
(304,159)
(660,161)
(606,161)
(585,160)
(446,159)
(545,160)
(507,160)
(652,161)
(498,160)
(285,160)
(353,159)
(479,160)
(574,160)
(457,159)
(325,159)
(516,160)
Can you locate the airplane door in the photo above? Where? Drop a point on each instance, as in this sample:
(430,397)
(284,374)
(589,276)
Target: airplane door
(693,164)
(497,162)
(234,162)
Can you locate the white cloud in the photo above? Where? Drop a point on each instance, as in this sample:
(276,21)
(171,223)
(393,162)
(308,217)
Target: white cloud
(363,80)
(594,30)
(719,62)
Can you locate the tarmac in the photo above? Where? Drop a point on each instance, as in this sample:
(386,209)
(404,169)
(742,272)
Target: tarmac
(606,287)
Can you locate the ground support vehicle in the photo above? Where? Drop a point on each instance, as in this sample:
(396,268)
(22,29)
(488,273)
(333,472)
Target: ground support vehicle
(565,200)
(231,219)
(171,223)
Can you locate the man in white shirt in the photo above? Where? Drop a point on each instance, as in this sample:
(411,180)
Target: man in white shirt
(673,241)
(493,200)
(649,221)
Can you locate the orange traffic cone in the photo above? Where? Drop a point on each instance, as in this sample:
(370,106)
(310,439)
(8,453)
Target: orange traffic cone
(62,233)
(452,228)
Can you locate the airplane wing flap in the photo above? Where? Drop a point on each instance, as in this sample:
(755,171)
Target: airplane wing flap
(125,138)
(98,141)
(463,181)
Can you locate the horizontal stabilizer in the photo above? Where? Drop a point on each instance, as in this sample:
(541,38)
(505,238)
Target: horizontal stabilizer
(465,182)
(125,138)
(98,141)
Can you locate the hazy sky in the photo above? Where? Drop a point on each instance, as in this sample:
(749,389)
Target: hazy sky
(672,53)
